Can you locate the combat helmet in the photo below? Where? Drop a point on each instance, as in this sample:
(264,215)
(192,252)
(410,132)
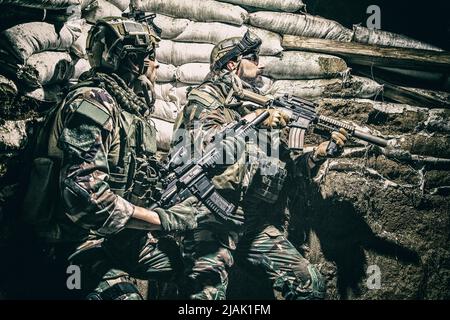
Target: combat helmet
(234,49)
(113,39)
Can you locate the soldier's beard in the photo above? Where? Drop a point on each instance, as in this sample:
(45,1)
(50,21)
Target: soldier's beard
(251,79)
(138,82)
(256,82)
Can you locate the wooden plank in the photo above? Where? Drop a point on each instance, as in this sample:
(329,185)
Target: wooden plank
(411,96)
(370,55)
(407,78)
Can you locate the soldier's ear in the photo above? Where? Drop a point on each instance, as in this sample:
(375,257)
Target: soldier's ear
(231,65)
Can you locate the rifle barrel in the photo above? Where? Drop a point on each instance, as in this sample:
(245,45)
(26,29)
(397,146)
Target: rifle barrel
(370,138)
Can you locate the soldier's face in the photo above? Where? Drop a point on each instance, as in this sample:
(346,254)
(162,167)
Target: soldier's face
(250,69)
(152,68)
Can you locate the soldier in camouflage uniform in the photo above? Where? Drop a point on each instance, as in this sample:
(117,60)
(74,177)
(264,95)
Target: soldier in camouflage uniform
(261,247)
(102,146)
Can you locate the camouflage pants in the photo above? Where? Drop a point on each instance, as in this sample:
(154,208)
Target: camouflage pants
(267,254)
(106,271)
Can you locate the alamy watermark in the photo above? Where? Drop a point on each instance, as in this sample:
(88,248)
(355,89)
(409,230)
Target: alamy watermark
(374,20)
(74,277)
(374,277)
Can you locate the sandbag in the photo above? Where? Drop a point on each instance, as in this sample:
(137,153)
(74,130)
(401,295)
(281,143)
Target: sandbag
(79,46)
(43,4)
(81,66)
(121,4)
(46,68)
(8,92)
(100,9)
(164,131)
(300,25)
(209,32)
(271,42)
(51,94)
(164,110)
(170,27)
(298,65)
(389,39)
(264,84)
(197,10)
(178,53)
(13,135)
(184,30)
(271,5)
(26,39)
(354,87)
(11,15)
(192,73)
(172,92)
(166,73)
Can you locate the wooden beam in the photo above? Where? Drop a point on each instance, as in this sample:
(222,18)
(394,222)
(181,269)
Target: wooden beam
(411,96)
(370,55)
(407,78)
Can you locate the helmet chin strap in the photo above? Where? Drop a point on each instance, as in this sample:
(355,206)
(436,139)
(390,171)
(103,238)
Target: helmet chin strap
(237,67)
(136,80)
(143,87)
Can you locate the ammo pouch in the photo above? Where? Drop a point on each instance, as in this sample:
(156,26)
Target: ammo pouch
(41,196)
(146,183)
(136,177)
(42,190)
(268,180)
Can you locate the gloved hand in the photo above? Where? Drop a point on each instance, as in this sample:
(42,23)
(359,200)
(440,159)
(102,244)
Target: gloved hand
(180,217)
(277,119)
(208,220)
(332,148)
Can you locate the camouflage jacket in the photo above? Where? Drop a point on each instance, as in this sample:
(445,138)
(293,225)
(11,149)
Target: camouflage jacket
(260,196)
(100,146)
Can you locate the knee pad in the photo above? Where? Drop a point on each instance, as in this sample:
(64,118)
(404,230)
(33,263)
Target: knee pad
(118,291)
(115,285)
(317,283)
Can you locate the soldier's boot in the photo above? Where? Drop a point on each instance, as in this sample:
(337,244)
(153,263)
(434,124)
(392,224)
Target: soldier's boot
(313,289)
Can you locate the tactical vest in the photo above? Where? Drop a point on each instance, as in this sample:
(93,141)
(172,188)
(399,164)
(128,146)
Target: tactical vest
(134,174)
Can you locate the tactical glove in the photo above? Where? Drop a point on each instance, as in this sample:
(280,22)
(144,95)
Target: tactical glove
(332,148)
(276,120)
(180,217)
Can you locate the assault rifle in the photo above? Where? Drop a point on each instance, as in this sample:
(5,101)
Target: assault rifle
(192,176)
(302,114)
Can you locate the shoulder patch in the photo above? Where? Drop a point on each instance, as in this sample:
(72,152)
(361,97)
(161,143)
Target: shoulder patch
(93,112)
(204,98)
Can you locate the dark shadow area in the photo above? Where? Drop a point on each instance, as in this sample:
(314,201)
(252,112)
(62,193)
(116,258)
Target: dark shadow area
(28,271)
(426,21)
(343,235)
(246,286)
